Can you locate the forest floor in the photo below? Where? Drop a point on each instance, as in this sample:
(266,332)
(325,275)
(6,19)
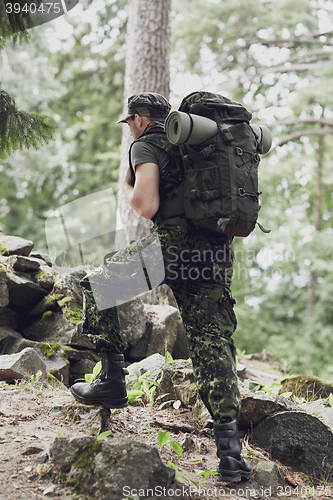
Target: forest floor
(28,428)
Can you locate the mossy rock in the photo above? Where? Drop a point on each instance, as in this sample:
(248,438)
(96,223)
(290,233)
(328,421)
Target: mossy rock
(3,248)
(52,301)
(74,315)
(307,386)
(71,309)
(49,349)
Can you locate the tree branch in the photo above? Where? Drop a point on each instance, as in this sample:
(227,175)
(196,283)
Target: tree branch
(319,121)
(298,135)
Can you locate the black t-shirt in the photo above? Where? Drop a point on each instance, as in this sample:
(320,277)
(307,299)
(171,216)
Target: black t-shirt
(144,152)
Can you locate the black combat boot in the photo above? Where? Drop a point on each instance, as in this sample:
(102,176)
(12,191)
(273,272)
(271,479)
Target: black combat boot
(109,389)
(232,466)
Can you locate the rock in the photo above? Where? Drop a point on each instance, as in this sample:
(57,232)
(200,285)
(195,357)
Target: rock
(23,364)
(9,318)
(22,264)
(73,354)
(45,277)
(13,245)
(54,327)
(109,469)
(23,292)
(298,440)
(43,256)
(9,340)
(319,408)
(307,386)
(265,360)
(164,333)
(263,368)
(180,349)
(179,384)
(55,361)
(268,475)
(153,364)
(63,451)
(69,285)
(256,407)
(48,303)
(187,442)
(49,491)
(161,332)
(4,293)
(132,322)
(80,368)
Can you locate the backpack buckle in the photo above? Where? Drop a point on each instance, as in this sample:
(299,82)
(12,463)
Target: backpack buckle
(241,192)
(211,195)
(207,151)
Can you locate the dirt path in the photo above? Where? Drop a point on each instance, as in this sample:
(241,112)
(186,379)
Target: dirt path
(28,427)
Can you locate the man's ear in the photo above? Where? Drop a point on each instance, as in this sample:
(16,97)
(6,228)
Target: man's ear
(138,119)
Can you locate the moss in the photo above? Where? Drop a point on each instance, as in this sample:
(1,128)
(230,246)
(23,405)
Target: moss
(84,462)
(51,301)
(62,476)
(307,386)
(74,315)
(52,380)
(49,350)
(65,301)
(71,417)
(87,456)
(306,479)
(41,274)
(3,248)
(47,314)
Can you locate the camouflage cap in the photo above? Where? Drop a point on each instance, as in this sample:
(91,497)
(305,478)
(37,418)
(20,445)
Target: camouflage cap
(146,104)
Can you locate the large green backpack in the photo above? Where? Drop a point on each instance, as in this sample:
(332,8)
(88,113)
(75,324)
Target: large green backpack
(220,189)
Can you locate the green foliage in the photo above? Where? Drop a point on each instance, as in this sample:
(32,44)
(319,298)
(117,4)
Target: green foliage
(49,350)
(168,357)
(14,25)
(90,377)
(164,438)
(143,391)
(20,130)
(102,435)
(205,473)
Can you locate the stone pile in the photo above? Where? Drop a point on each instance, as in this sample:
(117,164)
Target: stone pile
(41,309)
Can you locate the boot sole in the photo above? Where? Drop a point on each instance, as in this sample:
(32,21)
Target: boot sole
(113,403)
(234,477)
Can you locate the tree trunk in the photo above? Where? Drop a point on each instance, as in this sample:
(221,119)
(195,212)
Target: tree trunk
(147,70)
(317,221)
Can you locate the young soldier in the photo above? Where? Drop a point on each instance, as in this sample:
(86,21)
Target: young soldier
(198,269)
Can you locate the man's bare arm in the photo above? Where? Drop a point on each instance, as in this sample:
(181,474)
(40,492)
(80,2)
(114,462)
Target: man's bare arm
(143,196)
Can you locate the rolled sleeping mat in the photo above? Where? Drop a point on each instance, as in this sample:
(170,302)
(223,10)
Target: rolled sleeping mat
(186,128)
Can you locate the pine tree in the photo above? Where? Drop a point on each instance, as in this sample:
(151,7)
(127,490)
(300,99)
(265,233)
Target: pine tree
(18,129)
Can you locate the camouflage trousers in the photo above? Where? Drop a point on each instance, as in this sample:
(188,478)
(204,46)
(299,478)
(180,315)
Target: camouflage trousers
(198,268)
